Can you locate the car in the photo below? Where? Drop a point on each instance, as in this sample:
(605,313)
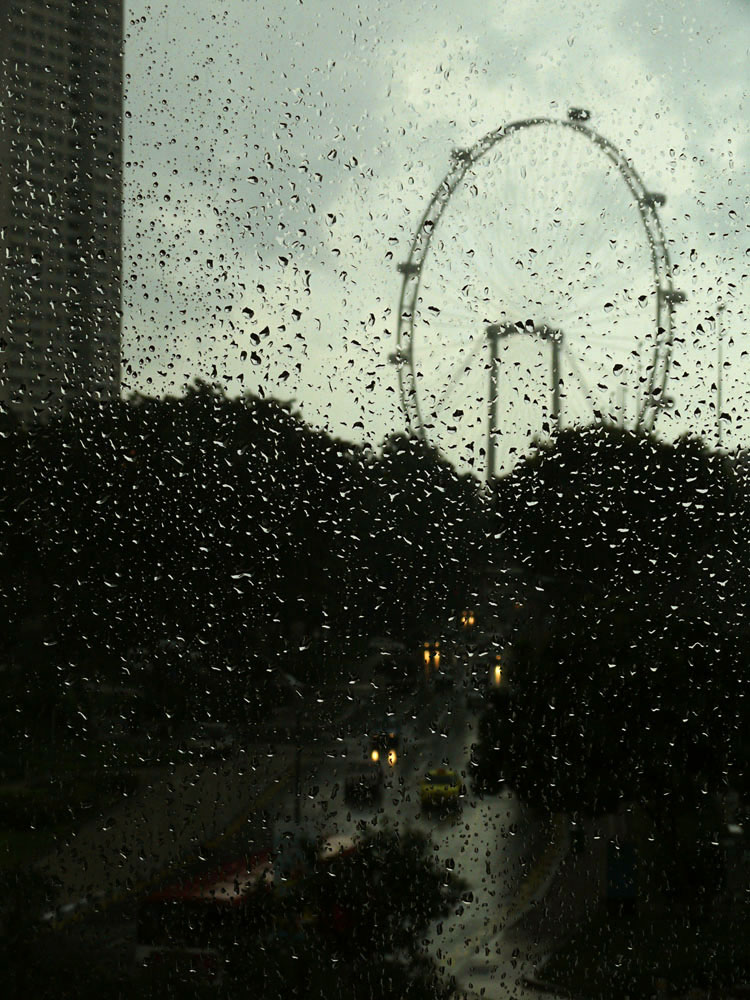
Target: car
(385,742)
(441,786)
(334,847)
(363,781)
(75,909)
(400,681)
(384,645)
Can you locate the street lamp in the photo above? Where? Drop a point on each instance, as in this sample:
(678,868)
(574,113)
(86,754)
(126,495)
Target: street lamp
(297,767)
(719,372)
(298,755)
(431,656)
(497,675)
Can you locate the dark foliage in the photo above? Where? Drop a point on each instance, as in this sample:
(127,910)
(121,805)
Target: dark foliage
(629,671)
(207,538)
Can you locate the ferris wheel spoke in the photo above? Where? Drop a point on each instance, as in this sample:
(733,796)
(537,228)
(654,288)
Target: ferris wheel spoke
(487,254)
(457,328)
(450,317)
(604,344)
(575,368)
(616,390)
(603,365)
(453,381)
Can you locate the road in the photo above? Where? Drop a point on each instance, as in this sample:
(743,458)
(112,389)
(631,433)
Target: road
(493,845)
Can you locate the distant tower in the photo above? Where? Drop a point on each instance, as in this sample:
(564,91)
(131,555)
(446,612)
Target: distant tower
(60,202)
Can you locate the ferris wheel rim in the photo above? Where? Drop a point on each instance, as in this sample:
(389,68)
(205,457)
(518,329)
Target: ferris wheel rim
(661,268)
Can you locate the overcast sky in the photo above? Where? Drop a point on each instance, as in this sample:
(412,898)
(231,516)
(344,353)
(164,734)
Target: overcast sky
(279,157)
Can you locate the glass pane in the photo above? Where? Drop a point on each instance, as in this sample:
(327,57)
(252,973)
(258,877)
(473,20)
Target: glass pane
(373,488)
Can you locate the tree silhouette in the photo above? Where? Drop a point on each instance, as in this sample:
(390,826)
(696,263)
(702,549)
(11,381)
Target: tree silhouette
(226,527)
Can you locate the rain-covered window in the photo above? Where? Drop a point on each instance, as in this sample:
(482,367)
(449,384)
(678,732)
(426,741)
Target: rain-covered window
(373,499)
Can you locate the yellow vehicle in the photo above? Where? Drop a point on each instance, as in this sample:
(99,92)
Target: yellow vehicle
(441,787)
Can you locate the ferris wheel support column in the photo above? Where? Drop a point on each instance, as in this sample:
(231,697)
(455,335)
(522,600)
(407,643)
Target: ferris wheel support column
(555,338)
(719,373)
(556,376)
(494,333)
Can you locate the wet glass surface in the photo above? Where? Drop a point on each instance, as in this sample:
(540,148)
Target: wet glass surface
(373,491)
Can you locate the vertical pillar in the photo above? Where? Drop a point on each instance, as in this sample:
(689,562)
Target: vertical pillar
(719,373)
(556,339)
(494,333)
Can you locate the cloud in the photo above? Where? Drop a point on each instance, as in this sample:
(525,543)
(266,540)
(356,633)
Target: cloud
(303,143)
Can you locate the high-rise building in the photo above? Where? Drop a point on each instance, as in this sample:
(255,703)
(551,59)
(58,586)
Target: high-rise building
(60,202)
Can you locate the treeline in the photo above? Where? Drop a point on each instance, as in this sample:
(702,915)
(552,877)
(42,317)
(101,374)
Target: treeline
(625,513)
(214,530)
(626,683)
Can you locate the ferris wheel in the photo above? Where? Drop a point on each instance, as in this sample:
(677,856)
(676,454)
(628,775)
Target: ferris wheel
(537,294)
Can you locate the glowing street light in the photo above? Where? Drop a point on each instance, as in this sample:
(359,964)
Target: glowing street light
(497,675)
(431,656)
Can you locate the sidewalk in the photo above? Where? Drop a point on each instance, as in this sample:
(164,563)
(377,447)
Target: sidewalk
(653,952)
(570,898)
(572,895)
(543,873)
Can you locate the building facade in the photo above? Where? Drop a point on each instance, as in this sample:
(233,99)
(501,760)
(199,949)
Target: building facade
(60,202)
